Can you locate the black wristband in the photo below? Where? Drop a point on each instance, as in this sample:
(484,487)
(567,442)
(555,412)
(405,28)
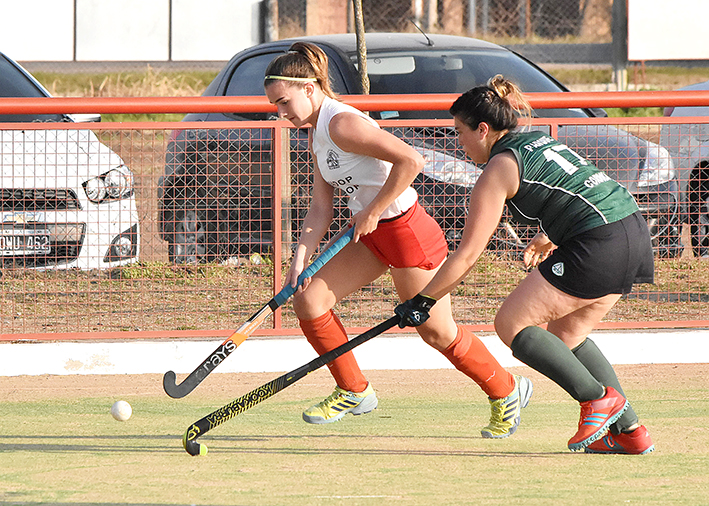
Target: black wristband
(424,301)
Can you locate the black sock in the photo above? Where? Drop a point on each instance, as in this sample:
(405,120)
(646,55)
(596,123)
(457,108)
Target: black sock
(544,352)
(597,364)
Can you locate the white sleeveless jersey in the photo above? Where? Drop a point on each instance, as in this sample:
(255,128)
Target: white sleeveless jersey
(359,176)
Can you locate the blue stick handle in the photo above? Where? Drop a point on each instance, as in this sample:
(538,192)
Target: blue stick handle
(326,255)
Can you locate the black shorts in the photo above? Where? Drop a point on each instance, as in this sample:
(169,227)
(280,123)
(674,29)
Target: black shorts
(607,259)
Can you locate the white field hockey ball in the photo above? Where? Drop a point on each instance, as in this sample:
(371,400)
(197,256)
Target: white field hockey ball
(121,411)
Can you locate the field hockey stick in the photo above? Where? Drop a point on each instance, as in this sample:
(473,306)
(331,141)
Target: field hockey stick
(225,413)
(239,336)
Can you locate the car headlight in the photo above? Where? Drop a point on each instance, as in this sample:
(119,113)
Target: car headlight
(657,167)
(112,185)
(449,169)
(95,189)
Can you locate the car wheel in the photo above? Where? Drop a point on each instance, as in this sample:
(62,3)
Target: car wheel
(189,240)
(665,232)
(698,208)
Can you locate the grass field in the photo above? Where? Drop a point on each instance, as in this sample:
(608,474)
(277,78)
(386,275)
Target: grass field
(421,447)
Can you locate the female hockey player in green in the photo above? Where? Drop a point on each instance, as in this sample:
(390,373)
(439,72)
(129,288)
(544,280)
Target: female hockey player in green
(593,246)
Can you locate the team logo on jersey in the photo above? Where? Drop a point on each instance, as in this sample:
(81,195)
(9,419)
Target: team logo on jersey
(333,160)
(558,268)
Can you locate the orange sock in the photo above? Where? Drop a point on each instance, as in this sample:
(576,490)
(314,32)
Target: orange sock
(470,356)
(325,333)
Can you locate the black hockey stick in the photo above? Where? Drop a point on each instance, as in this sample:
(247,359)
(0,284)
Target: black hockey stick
(239,336)
(225,413)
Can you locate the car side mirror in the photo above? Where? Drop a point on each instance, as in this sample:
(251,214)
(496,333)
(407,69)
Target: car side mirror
(84,118)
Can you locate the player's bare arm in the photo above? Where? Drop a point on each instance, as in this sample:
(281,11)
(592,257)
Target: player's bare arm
(315,225)
(355,134)
(498,182)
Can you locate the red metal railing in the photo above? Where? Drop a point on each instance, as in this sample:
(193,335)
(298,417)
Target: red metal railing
(430,102)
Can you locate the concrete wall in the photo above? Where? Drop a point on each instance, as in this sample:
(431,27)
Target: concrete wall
(664,30)
(128,30)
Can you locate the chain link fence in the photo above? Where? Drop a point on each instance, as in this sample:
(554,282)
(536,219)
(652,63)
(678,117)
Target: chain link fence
(545,31)
(184,236)
(513,21)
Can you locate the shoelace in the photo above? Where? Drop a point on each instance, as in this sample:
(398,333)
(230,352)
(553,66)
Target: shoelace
(499,409)
(331,399)
(586,410)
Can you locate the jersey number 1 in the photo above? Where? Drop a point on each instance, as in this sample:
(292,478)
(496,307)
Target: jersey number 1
(552,155)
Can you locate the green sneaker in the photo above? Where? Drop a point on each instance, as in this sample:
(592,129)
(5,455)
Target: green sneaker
(505,416)
(340,403)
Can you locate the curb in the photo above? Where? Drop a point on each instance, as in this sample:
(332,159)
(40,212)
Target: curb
(280,355)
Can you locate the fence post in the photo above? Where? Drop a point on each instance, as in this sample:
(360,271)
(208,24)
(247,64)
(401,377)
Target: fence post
(431,15)
(270,20)
(281,207)
(361,46)
(619,32)
(285,193)
(472,17)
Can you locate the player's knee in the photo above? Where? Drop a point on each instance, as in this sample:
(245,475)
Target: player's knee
(308,307)
(438,338)
(303,307)
(505,328)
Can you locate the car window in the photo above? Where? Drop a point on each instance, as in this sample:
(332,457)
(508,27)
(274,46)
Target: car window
(455,72)
(13,83)
(450,72)
(247,80)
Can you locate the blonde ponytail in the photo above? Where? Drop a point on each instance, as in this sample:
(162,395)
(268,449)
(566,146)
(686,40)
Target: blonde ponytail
(302,63)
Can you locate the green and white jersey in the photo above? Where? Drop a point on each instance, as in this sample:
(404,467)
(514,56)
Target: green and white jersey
(559,190)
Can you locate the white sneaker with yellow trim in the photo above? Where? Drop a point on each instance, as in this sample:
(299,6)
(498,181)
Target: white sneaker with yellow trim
(340,403)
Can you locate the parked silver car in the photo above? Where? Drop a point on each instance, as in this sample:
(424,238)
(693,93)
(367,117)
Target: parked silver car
(67,199)
(688,144)
(215,194)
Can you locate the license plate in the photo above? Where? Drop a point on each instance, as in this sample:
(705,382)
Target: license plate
(24,242)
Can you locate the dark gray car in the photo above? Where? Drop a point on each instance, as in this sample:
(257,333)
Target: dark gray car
(215,195)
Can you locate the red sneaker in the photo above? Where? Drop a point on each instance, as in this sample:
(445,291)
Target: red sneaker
(637,442)
(596,417)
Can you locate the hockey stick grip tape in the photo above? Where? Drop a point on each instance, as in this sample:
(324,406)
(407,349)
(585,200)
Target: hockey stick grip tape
(314,267)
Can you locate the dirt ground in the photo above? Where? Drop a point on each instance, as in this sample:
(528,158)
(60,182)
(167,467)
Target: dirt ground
(19,388)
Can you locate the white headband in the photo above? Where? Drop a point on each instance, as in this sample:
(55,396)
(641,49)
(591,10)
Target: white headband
(296,79)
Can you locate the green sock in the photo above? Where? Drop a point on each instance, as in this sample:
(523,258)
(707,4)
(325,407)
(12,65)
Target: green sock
(544,352)
(597,364)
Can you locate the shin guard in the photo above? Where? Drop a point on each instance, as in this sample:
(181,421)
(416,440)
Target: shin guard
(325,333)
(544,352)
(470,356)
(597,364)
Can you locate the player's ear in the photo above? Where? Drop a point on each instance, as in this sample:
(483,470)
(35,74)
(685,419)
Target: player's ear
(309,88)
(483,128)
